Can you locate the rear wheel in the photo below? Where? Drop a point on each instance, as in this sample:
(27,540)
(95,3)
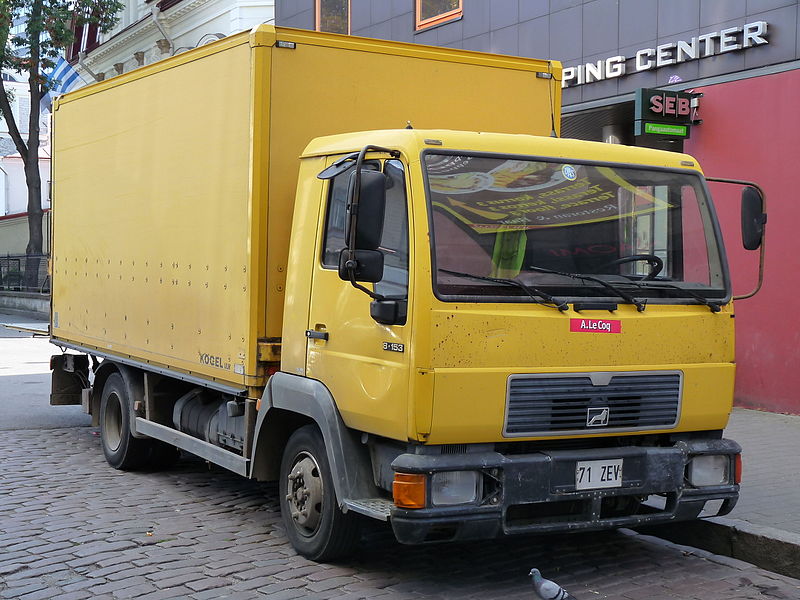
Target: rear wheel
(121,449)
(315,525)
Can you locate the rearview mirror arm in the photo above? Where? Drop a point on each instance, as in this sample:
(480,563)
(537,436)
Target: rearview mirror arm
(351,263)
(763,237)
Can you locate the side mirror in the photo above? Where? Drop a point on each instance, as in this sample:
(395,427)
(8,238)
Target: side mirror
(753,218)
(369,206)
(366,265)
(388,311)
(362,261)
(754,221)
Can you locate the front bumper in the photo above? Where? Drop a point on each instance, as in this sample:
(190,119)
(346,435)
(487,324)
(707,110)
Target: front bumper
(535,493)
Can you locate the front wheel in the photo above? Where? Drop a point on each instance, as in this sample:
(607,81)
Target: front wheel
(315,525)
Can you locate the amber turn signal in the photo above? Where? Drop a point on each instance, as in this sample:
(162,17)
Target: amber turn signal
(737,473)
(408,490)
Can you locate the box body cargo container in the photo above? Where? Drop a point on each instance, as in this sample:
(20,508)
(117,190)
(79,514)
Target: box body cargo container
(465,327)
(193,166)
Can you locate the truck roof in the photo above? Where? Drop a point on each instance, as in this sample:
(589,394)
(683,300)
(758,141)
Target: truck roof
(413,141)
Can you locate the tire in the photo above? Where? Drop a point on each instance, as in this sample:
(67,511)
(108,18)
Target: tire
(121,449)
(315,525)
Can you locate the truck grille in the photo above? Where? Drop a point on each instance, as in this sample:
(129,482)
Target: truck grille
(568,403)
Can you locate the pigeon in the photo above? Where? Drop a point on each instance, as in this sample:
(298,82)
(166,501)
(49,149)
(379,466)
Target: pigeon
(548,590)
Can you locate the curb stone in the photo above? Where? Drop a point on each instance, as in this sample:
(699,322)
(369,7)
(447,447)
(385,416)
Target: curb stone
(766,547)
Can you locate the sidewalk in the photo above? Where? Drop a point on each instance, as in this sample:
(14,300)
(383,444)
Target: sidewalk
(22,320)
(25,382)
(770,494)
(763,528)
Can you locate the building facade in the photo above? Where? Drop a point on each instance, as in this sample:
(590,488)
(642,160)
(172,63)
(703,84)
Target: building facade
(13,188)
(14,202)
(151,30)
(739,62)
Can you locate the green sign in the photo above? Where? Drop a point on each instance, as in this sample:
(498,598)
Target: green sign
(660,129)
(665,129)
(663,113)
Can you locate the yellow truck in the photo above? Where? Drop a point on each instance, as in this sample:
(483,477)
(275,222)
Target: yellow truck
(301,256)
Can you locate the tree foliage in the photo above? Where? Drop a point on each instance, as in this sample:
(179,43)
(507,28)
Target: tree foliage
(33,33)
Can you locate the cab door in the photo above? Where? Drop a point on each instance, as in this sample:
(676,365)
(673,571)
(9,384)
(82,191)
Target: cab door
(364,364)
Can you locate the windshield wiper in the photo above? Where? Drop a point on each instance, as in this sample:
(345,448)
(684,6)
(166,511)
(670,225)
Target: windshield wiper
(530,290)
(639,304)
(715,307)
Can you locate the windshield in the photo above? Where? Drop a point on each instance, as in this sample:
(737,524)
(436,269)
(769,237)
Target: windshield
(647,231)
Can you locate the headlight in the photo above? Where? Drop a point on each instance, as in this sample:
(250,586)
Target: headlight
(708,470)
(454,487)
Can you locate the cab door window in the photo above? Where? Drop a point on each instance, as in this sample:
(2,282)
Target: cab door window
(394,240)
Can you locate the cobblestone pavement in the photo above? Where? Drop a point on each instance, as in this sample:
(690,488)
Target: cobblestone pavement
(71,527)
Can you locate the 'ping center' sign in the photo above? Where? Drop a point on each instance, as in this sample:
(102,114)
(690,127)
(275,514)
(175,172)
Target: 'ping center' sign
(673,53)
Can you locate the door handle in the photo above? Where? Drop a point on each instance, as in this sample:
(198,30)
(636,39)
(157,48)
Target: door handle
(313,334)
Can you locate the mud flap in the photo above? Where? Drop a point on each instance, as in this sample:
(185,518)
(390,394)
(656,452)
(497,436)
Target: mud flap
(70,376)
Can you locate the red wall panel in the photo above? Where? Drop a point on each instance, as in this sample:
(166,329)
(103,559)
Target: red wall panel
(751,130)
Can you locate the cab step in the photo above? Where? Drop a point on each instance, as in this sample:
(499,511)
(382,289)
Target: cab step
(376,508)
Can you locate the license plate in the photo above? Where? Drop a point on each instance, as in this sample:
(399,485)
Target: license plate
(597,474)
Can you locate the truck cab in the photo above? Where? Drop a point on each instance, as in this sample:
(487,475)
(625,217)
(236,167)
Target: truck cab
(523,334)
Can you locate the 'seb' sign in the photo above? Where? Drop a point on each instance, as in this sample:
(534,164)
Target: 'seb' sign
(663,106)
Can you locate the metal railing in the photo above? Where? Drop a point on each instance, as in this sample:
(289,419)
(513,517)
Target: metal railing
(24,273)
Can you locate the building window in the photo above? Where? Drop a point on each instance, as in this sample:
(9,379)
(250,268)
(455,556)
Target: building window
(333,16)
(165,4)
(87,38)
(436,12)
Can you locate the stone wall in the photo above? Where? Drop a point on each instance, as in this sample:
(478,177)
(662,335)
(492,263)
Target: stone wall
(25,304)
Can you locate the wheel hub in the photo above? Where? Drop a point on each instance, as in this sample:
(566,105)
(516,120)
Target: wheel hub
(305,493)
(111,426)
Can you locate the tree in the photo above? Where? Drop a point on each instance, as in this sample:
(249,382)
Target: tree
(45,28)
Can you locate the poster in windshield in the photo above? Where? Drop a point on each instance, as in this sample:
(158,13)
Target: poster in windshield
(550,221)
(492,195)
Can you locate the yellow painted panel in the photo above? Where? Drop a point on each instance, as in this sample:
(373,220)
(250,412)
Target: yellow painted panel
(370,385)
(298,280)
(330,84)
(527,336)
(469,404)
(475,349)
(421,404)
(151,253)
